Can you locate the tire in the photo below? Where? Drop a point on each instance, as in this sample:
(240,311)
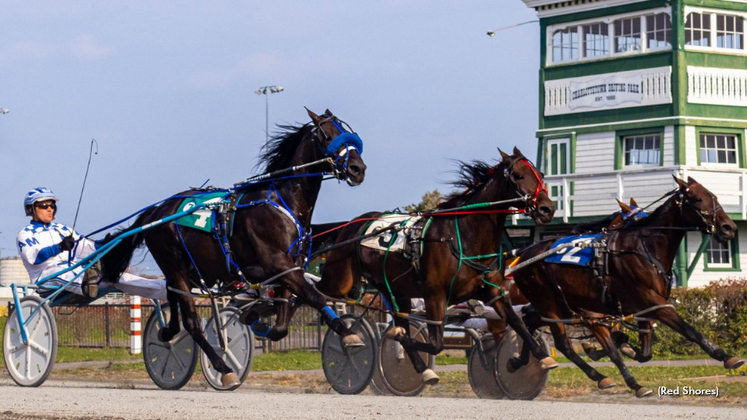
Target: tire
(397,372)
(238,354)
(349,369)
(528,381)
(31,363)
(482,376)
(169,364)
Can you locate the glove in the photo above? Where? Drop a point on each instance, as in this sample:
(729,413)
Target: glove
(67,243)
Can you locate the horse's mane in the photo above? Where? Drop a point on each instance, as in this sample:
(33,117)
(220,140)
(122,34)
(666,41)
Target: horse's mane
(472,176)
(279,151)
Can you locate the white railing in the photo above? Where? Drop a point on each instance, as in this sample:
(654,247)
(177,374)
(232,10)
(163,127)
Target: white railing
(594,194)
(715,86)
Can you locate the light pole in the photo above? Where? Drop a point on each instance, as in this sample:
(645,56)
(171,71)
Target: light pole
(492,33)
(4,111)
(267,91)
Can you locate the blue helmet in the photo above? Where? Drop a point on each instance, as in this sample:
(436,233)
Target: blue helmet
(37,194)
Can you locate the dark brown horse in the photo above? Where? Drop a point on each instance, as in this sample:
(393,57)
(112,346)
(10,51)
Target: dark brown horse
(452,255)
(637,278)
(265,229)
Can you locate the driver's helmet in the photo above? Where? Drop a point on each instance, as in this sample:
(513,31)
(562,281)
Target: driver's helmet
(37,194)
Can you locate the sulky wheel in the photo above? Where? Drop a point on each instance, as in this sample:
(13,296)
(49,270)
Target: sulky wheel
(349,369)
(29,364)
(397,372)
(169,364)
(482,375)
(238,352)
(377,381)
(528,381)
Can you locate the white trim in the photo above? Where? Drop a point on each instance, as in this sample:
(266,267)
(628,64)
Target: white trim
(565,10)
(682,119)
(716,86)
(712,48)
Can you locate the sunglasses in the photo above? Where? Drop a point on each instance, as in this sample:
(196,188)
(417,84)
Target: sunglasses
(45,206)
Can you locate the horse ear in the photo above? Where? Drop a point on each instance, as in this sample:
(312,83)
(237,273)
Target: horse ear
(633,203)
(624,207)
(312,115)
(680,182)
(503,155)
(517,152)
(328,112)
(691,180)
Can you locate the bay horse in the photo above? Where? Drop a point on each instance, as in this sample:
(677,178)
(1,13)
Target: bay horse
(637,278)
(446,269)
(267,229)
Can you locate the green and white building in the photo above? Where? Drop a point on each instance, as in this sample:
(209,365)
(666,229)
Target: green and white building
(633,91)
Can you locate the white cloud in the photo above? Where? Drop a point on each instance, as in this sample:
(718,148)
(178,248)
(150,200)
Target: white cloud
(86,46)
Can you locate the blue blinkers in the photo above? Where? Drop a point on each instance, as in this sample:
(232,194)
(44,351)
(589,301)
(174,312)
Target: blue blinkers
(351,139)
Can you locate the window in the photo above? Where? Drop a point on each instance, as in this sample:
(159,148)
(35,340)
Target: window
(659,31)
(557,162)
(718,148)
(718,255)
(596,40)
(628,34)
(698,29)
(565,44)
(642,150)
(729,32)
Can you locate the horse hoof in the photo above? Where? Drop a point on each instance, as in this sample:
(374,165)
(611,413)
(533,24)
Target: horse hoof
(395,333)
(643,392)
(229,379)
(733,363)
(591,351)
(606,383)
(627,350)
(429,377)
(164,335)
(352,340)
(548,363)
(513,364)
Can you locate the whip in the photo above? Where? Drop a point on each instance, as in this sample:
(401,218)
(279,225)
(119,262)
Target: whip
(88,166)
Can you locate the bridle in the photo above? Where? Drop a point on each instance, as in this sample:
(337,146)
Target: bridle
(334,149)
(531,200)
(704,215)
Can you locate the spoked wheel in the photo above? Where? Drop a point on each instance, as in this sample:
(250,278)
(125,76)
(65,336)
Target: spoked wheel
(239,348)
(526,382)
(29,364)
(170,364)
(397,372)
(349,369)
(377,381)
(482,375)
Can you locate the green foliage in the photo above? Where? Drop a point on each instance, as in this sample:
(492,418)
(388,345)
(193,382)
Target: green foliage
(287,360)
(429,201)
(718,311)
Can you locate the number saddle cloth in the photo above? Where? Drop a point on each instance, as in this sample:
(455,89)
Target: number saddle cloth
(576,255)
(402,234)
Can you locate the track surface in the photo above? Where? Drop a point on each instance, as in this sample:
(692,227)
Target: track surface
(101,401)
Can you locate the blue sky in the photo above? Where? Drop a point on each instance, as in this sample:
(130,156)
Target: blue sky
(167,90)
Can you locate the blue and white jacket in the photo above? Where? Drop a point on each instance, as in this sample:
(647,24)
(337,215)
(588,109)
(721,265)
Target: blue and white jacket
(38,246)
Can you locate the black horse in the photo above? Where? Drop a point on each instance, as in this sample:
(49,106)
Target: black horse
(637,278)
(260,233)
(453,255)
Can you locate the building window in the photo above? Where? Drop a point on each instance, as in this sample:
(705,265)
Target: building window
(596,40)
(628,35)
(718,148)
(729,32)
(642,150)
(659,31)
(698,29)
(719,255)
(565,44)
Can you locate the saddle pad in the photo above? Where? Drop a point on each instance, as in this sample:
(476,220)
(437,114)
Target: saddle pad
(384,241)
(201,219)
(573,255)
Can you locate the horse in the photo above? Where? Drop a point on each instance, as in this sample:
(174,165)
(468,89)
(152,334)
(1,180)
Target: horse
(264,235)
(445,246)
(635,279)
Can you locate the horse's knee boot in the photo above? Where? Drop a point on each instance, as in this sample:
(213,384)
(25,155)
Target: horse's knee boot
(548,363)
(429,377)
(606,383)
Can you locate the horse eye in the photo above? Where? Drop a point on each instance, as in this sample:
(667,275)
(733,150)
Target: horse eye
(518,176)
(698,200)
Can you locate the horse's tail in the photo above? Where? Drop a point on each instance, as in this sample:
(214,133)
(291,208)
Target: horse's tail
(116,261)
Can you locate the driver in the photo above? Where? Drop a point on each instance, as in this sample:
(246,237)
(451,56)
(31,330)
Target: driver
(47,247)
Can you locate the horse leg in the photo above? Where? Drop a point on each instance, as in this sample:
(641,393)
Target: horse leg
(168,332)
(674,321)
(412,346)
(192,325)
(283,313)
(646,337)
(504,308)
(603,335)
(563,344)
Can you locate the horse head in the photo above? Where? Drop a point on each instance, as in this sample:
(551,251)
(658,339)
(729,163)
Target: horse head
(700,208)
(528,181)
(338,141)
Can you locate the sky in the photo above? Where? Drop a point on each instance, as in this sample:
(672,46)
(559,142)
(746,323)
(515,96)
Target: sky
(167,91)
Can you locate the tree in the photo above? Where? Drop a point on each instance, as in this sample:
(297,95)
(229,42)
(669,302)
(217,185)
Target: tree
(429,201)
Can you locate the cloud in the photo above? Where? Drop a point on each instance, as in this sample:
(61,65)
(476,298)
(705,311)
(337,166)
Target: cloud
(28,50)
(86,46)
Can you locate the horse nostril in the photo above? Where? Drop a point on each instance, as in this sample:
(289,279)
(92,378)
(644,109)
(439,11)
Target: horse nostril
(545,211)
(356,170)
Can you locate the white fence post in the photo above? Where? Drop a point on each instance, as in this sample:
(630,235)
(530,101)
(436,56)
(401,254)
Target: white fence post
(136,339)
